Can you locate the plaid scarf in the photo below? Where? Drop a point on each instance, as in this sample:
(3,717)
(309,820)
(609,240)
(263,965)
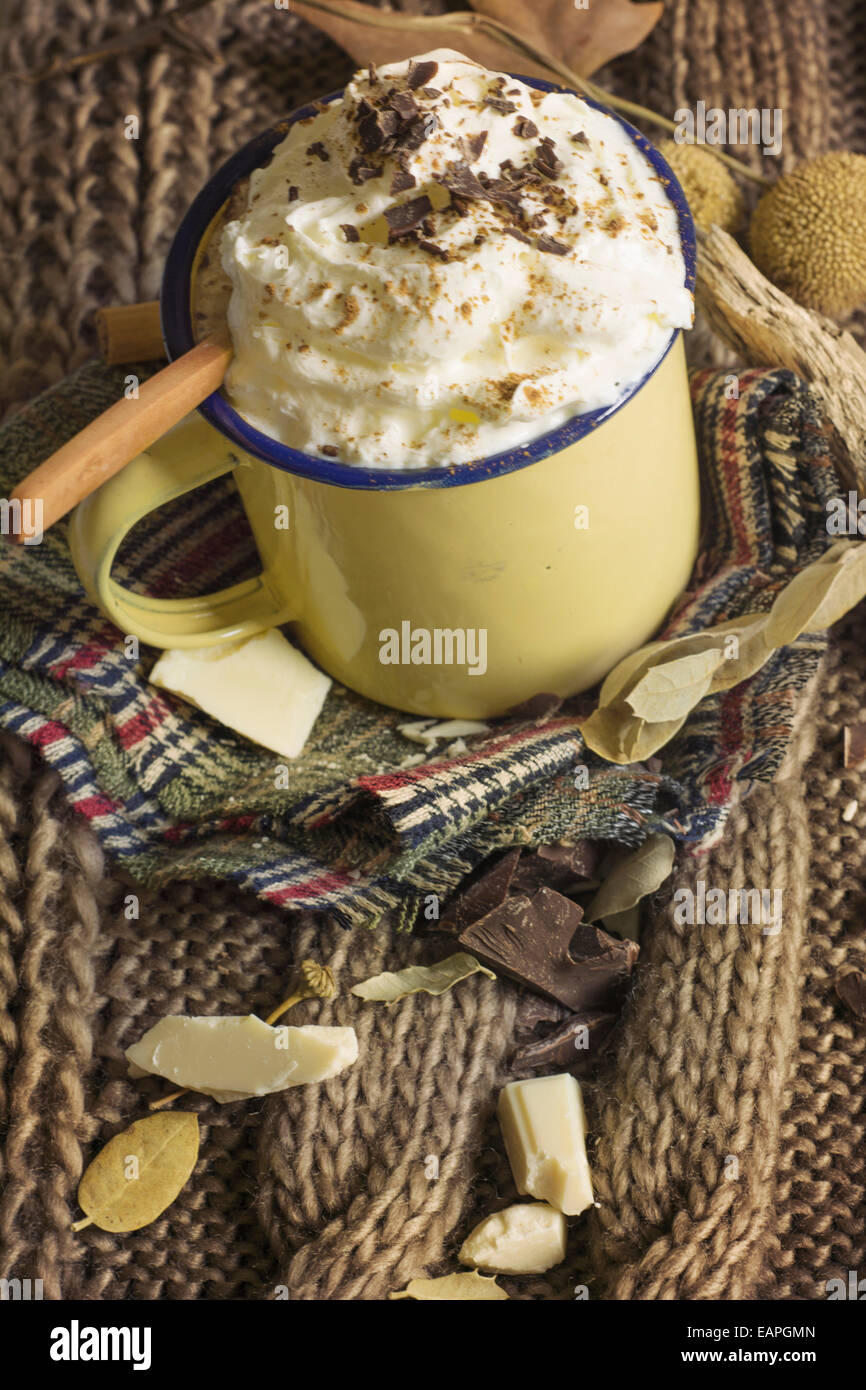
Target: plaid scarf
(173,794)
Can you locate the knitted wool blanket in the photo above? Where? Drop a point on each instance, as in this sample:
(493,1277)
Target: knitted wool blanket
(173,794)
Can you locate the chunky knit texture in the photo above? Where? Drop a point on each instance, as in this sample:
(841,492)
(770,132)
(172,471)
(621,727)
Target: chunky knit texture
(728,1128)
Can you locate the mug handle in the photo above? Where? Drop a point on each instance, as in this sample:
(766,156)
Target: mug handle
(191,454)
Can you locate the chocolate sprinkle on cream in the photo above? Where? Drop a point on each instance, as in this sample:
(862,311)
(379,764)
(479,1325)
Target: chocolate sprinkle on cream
(518,235)
(433,250)
(360,171)
(349,231)
(404,104)
(330,451)
(580,139)
(549,243)
(403,218)
(318,149)
(420,74)
(500,104)
(474,144)
(525,128)
(402,180)
(294,192)
(459,178)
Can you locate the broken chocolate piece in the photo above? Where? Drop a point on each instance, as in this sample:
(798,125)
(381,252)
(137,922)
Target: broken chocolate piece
(486,889)
(459,178)
(404,104)
(525,128)
(546,160)
(579,138)
(318,149)
(403,218)
(568,869)
(518,235)
(473,145)
(360,170)
(431,92)
(418,131)
(402,180)
(349,231)
(851,989)
(433,250)
(543,943)
(575,1044)
(552,246)
(420,74)
(294,192)
(375,127)
(500,104)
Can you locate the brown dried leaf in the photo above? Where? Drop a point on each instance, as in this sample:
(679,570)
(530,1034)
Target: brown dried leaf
(585,39)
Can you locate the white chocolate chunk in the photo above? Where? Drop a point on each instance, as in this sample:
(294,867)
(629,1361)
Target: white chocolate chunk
(527,1238)
(238,1056)
(544,1129)
(453,1288)
(264,688)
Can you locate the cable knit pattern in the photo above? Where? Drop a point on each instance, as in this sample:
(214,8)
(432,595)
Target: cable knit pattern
(728,1127)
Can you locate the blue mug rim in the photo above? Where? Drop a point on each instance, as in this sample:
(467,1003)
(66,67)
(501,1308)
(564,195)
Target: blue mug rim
(177,329)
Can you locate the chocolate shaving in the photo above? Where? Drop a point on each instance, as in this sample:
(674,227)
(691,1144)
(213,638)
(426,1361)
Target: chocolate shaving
(294,192)
(579,138)
(431,92)
(498,191)
(404,104)
(403,218)
(459,178)
(349,231)
(473,145)
(418,131)
(420,74)
(500,104)
(525,128)
(433,250)
(375,127)
(518,235)
(318,149)
(330,451)
(543,943)
(575,1045)
(360,171)
(551,245)
(402,180)
(851,989)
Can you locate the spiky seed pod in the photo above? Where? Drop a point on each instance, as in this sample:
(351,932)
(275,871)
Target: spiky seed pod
(711,191)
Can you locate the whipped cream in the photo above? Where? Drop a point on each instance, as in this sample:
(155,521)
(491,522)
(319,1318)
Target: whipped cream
(446,263)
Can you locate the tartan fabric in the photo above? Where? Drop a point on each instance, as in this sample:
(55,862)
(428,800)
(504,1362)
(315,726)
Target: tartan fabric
(358,832)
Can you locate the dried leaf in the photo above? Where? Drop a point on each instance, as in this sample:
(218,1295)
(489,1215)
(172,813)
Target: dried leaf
(664,688)
(391,986)
(139,1172)
(506,36)
(585,38)
(638,873)
(453,1288)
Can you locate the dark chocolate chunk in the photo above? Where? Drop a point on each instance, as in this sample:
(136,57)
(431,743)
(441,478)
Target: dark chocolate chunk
(525,128)
(421,73)
(330,451)
(419,130)
(473,145)
(575,1044)
(294,192)
(498,191)
(318,149)
(433,250)
(485,890)
(402,180)
(551,245)
(360,170)
(349,231)
(404,104)
(459,178)
(579,138)
(375,127)
(543,943)
(500,104)
(431,92)
(568,869)
(851,989)
(407,217)
(518,235)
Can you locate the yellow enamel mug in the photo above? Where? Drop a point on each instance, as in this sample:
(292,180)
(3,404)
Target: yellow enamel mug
(451,592)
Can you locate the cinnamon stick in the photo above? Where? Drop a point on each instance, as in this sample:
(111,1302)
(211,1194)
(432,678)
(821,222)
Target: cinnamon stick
(130,333)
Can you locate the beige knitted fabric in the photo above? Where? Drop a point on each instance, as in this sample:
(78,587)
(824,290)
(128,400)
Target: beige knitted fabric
(728,1127)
